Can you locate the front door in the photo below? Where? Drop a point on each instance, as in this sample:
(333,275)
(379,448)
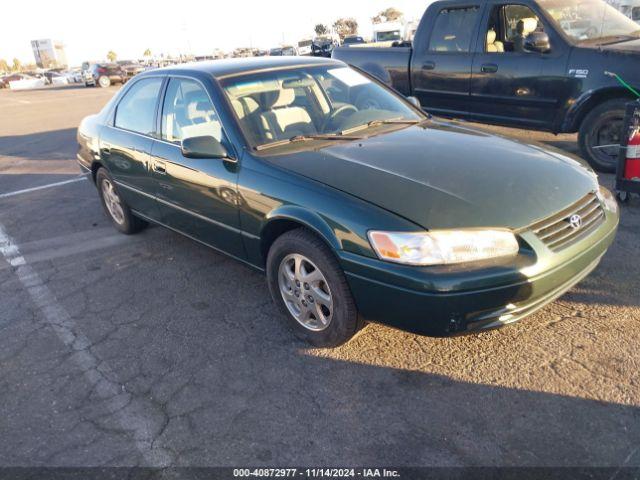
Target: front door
(125,146)
(510,84)
(197,197)
(441,68)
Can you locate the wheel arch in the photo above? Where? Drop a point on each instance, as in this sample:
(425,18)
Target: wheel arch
(289,218)
(587,102)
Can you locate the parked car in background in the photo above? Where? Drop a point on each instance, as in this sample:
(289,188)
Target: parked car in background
(304,46)
(355,213)
(104,74)
(132,68)
(630,8)
(529,64)
(4,81)
(323,46)
(352,40)
(285,51)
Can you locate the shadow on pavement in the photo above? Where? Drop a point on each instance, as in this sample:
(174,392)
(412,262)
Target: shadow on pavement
(51,145)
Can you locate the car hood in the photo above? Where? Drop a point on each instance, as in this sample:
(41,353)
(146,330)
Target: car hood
(444,175)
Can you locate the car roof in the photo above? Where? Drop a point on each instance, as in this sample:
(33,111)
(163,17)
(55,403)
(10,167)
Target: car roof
(236,66)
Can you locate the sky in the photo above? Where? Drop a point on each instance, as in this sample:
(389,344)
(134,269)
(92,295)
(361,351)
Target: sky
(128,27)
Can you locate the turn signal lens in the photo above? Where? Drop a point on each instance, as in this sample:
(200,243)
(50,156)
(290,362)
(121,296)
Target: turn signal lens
(443,247)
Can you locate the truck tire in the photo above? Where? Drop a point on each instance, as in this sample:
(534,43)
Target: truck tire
(602,126)
(104,81)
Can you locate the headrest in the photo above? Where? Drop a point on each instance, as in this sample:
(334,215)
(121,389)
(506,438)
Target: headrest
(527,25)
(286,98)
(277,98)
(244,106)
(491,37)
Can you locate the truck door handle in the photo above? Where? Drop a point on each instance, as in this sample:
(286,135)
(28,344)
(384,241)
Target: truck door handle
(428,65)
(489,68)
(160,167)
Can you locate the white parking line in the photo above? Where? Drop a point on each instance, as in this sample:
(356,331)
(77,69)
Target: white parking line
(131,416)
(42,187)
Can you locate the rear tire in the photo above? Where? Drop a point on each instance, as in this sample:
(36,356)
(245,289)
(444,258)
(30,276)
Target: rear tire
(104,81)
(602,126)
(116,209)
(325,325)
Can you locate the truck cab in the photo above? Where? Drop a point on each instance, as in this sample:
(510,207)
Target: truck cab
(537,64)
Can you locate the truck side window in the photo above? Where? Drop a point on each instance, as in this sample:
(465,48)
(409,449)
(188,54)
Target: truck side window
(508,26)
(453,29)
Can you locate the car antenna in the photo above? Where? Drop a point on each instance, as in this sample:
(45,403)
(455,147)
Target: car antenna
(622,82)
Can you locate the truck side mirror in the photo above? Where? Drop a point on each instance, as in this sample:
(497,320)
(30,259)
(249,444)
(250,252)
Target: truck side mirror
(537,42)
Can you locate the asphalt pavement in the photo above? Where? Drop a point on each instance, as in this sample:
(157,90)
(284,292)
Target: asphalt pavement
(153,350)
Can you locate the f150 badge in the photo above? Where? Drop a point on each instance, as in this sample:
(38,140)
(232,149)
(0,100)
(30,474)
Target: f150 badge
(579,72)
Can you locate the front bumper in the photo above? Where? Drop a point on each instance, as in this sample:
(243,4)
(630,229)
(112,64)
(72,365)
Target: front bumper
(445,301)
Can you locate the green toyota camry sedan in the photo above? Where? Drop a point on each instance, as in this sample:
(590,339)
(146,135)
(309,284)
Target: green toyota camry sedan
(357,205)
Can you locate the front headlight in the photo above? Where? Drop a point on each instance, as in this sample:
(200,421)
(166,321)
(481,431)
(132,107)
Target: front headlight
(443,247)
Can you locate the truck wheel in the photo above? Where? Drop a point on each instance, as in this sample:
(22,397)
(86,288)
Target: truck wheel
(307,283)
(600,135)
(104,81)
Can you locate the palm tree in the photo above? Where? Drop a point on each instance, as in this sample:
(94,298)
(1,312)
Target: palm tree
(147,53)
(112,56)
(17,65)
(4,66)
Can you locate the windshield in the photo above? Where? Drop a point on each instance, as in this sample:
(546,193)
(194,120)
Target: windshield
(590,20)
(314,101)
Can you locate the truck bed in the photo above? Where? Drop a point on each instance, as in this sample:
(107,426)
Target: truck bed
(389,64)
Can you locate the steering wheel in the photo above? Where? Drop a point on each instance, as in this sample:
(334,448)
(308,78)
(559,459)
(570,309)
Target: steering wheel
(341,110)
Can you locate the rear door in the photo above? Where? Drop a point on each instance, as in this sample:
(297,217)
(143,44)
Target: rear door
(441,62)
(125,145)
(197,197)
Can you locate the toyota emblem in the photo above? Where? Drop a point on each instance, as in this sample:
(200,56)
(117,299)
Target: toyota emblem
(575,221)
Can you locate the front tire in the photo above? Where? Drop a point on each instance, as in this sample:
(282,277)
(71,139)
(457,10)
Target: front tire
(116,209)
(309,287)
(601,127)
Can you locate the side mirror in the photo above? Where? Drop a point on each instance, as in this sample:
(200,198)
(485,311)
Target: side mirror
(415,102)
(537,42)
(203,147)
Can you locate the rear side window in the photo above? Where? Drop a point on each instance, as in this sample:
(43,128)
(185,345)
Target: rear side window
(453,29)
(188,112)
(137,108)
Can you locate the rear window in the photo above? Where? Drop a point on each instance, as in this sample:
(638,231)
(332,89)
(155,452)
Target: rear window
(453,29)
(136,110)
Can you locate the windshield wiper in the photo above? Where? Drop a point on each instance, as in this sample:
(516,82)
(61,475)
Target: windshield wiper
(376,123)
(304,138)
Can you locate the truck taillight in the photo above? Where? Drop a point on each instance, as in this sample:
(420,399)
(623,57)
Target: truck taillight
(632,164)
(102,70)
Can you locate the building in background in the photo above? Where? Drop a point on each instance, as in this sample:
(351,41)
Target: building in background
(49,54)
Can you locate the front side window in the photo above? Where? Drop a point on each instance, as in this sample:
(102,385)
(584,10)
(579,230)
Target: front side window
(453,30)
(327,100)
(136,110)
(188,112)
(591,21)
(509,26)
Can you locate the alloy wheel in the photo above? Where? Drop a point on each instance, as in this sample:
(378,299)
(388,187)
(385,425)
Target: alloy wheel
(112,201)
(305,292)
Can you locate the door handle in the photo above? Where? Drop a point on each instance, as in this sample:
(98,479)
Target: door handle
(489,68)
(160,167)
(429,65)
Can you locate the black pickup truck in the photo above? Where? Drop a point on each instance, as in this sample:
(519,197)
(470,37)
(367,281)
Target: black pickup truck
(537,64)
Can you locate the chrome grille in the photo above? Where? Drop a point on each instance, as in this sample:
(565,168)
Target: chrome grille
(558,231)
